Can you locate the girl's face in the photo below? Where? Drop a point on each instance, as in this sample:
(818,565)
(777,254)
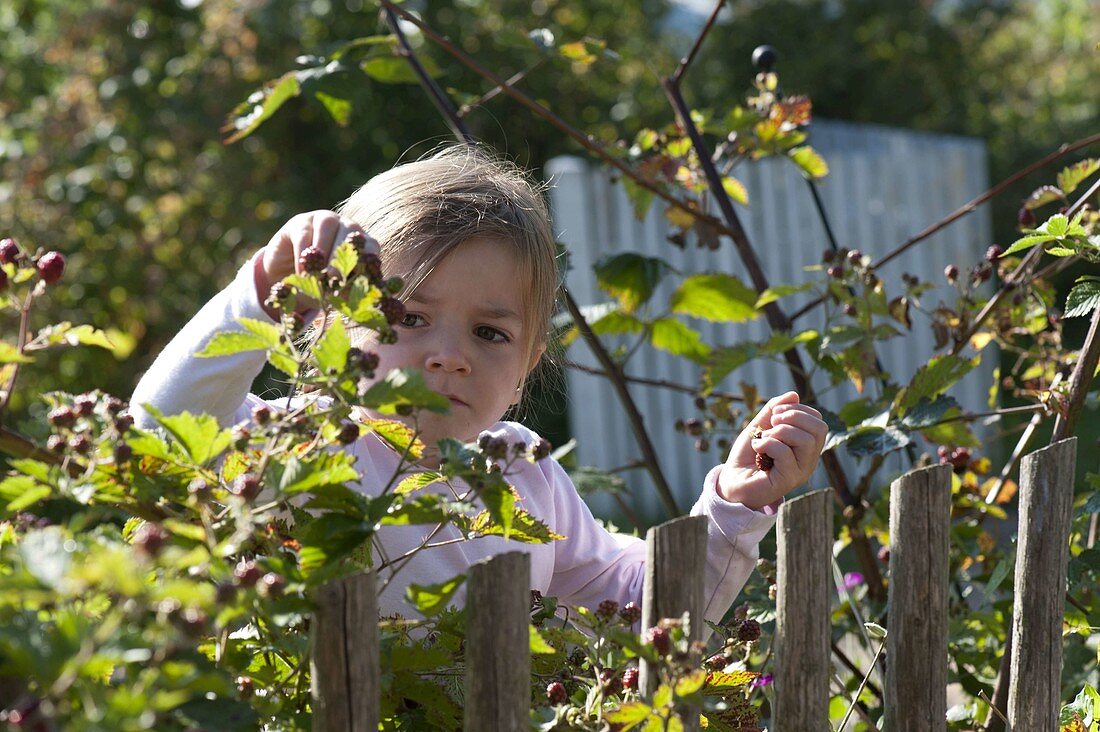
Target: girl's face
(465,330)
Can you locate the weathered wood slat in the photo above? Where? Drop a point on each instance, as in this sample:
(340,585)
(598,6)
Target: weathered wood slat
(1042,551)
(498,657)
(675,564)
(344,663)
(916,647)
(802,630)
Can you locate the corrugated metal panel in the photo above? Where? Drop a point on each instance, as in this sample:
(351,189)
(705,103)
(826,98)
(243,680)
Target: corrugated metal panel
(884,186)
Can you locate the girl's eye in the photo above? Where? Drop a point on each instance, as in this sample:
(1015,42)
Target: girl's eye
(412,320)
(488,333)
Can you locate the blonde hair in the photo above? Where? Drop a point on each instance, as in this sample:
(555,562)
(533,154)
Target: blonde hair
(421,211)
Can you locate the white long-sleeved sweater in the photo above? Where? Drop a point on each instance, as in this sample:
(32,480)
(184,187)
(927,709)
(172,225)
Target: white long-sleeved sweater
(588,566)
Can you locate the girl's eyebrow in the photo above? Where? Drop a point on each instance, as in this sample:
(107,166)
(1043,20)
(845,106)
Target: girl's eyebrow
(489,310)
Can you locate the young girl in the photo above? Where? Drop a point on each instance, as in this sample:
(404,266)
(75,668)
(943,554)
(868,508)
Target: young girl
(471,239)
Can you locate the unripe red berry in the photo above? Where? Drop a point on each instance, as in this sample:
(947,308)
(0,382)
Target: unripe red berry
(247,573)
(748,630)
(610,681)
(150,538)
(247,486)
(261,415)
(51,266)
(123,453)
(631,613)
(951,272)
(630,678)
(855,256)
(349,433)
(836,271)
(393,310)
(993,253)
(9,251)
(555,692)
(764,462)
(61,417)
(245,687)
(1025,218)
(607,609)
(312,260)
(271,585)
(884,554)
(80,444)
(659,638)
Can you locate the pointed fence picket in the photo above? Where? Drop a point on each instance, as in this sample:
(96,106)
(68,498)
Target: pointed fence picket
(346,671)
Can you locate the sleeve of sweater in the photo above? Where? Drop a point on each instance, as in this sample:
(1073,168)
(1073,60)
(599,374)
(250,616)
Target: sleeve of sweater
(592,565)
(179,381)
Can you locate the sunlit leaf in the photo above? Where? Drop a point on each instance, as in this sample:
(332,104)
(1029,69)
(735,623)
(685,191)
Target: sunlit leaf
(432,599)
(810,161)
(1084,297)
(1069,178)
(630,278)
(331,350)
(248,116)
(719,298)
(672,336)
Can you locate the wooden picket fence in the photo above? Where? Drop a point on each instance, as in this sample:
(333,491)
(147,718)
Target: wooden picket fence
(346,659)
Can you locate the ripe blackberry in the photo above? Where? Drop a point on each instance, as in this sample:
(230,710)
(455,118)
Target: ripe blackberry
(610,681)
(555,692)
(150,539)
(993,253)
(659,638)
(631,613)
(607,609)
(50,266)
(357,239)
(364,361)
(836,271)
(271,585)
(541,449)
(855,256)
(55,444)
(1025,218)
(748,631)
(9,251)
(247,573)
(312,260)
(371,265)
(61,417)
(764,462)
(123,453)
(84,405)
(261,415)
(951,272)
(124,422)
(80,444)
(349,433)
(393,310)
(247,486)
(630,678)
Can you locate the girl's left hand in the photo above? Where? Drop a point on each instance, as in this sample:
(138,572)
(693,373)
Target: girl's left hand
(792,435)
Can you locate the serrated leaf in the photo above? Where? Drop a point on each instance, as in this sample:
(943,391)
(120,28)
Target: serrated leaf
(736,190)
(1043,195)
(720,682)
(417,481)
(1057,226)
(324,470)
(248,116)
(537,643)
(687,685)
(772,294)
(724,360)
(432,599)
(672,336)
(397,435)
(306,284)
(395,70)
(14,488)
(404,386)
(345,258)
(927,412)
(11,354)
(148,443)
(869,440)
(630,278)
(525,528)
(1084,297)
(338,108)
(86,335)
(1028,242)
(628,715)
(640,197)
(1070,177)
(331,350)
(500,501)
(280,359)
(662,697)
(269,332)
(934,378)
(810,161)
(200,436)
(228,343)
(719,298)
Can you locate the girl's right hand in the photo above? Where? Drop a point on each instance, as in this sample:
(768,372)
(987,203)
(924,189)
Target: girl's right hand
(280,258)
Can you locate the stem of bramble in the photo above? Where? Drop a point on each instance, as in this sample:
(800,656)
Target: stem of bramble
(867,676)
(21,344)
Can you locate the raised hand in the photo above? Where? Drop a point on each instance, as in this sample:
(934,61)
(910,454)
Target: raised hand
(791,435)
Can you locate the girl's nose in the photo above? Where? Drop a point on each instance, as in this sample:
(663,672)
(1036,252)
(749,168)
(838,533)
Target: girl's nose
(448,356)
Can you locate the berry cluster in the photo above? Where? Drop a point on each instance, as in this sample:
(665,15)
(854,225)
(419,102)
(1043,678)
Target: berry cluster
(77,425)
(720,421)
(50,266)
(958,458)
(498,449)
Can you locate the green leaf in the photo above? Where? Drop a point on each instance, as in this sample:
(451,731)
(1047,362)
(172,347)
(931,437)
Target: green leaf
(332,347)
(1028,242)
(344,259)
(1043,195)
(724,360)
(812,164)
(672,336)
(15,489)
(688,685)
(537,643)
(500,501)
(398,435)
(282,360)
(432,599)
(722,682)
(736,190)
(248,116)
(934,378)
(306,284)
(148,443)
(774,293)
(630,278)
(628,715)
(200,436)
(875,630)
(404,386)
(338,107)
(11,354)
(326,469)
(524,528)
(927,412)
(86,335)
(269,332)
(718,298)
(396,70)
(227,343)
(640,197)
(417,481)
(662,697)
(1084,297)
(1069,178)
(1057,226)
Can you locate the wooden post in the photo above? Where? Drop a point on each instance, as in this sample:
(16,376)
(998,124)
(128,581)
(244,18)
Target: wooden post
(344,661)
(676,556)
(498,655)
(916,646)
(1046,510)
(804,574)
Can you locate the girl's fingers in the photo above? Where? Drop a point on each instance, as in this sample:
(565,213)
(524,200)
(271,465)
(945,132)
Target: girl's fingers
(326,226)
(804,421)
(803,444)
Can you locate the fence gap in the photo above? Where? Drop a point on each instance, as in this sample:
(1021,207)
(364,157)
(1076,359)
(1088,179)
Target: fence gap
(344,661)
(804,538)
(498,644)
(1042,551)
(916,646)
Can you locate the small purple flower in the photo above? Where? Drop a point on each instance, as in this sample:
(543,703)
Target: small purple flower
(852,580)
(762,680)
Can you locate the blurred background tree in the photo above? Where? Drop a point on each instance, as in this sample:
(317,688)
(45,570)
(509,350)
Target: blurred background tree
(110,112)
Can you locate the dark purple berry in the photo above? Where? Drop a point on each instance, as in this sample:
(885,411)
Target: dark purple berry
(9,251)
(224,592)
(555,692)
(495,448)
(281,292)
(994,253)
(1025,218)
(392,309)
(717,662)
(247,486)
(261,415)
(55,444)
(245,687)
(607,609)
(659,638)
(764,462)
(80,444)
(150,538)
(51,266)
(364,361)
(836,271)
(693,427)
(748,631)
(124,422)
(541,449)
(828,255)
(84,405)
(271,585)
(247,573)
(610,681)
(312,260)
(850,309)
(349,433)
(357,239)
(123,453)
(371,265)
(854,256)
(630,678)
(951,272)
(61,417)
(631,613)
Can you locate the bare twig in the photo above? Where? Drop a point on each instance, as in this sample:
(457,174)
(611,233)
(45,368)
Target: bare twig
(686,60)
(851,666)
(516,78)
(661,383)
